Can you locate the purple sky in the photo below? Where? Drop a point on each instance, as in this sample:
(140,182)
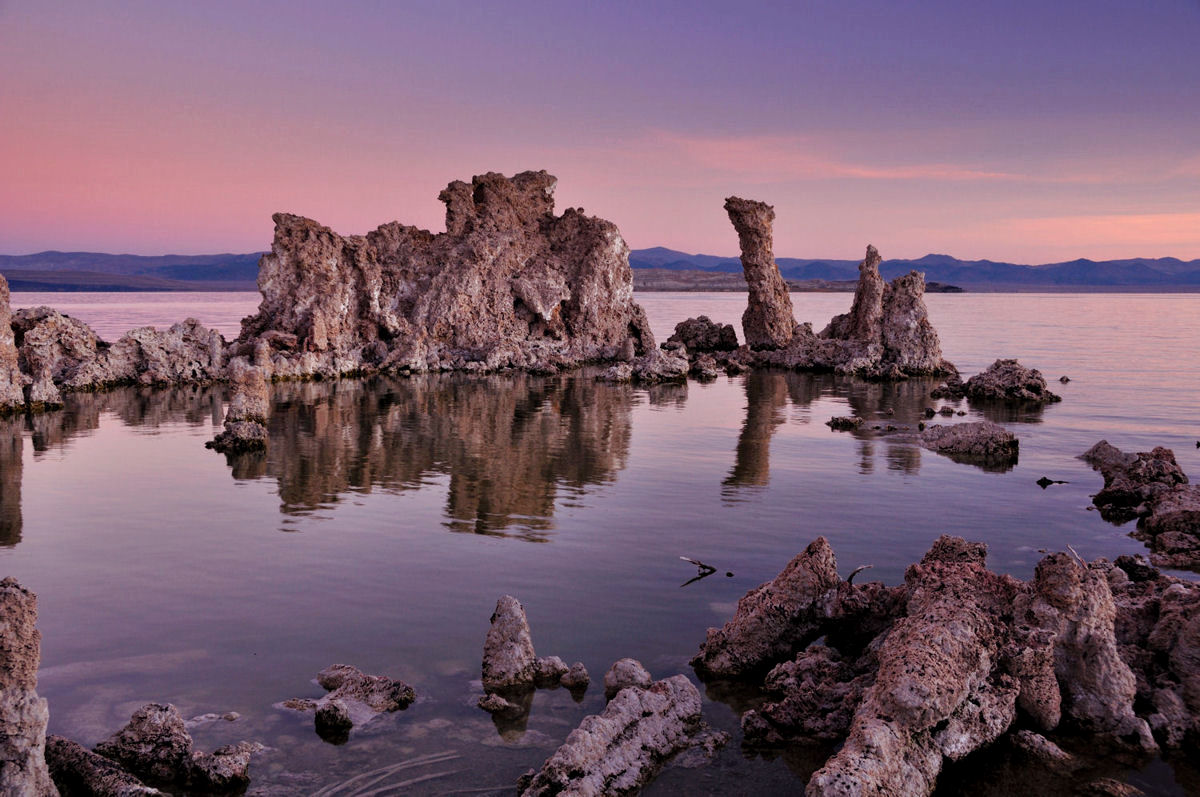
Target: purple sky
(1020,131)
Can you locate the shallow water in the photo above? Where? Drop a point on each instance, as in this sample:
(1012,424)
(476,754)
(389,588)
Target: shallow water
(388,516)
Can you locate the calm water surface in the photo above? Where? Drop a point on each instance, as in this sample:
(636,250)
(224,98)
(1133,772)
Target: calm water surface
(388,516)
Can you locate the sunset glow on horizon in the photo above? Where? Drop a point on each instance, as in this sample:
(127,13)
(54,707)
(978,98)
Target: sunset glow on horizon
(1015,132)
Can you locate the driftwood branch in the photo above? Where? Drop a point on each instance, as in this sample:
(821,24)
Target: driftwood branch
(856,571)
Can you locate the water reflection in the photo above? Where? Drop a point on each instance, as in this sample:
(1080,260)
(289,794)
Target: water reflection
(10,481)
(508,445)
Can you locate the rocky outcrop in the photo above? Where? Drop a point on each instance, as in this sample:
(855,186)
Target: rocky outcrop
(246,420)
(12,381)
(156,747)
(912,677)
(508,285)
(979,441)
(1151,487)
(623,673)
(509,661)
(76,770)
(1003,381)
(768,321)
(886,335)
(620,750)
(23,715)
(653,367)
(702,334)
(354,698)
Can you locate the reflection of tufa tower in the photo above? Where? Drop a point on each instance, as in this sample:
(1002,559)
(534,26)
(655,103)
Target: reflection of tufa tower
(10,481)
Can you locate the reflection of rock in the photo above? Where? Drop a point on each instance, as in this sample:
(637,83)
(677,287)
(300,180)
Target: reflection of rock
(621,749)
(23,715)
(509,284)
(1152,487)
(12,381)
(766,397)
(916,676)
(768,322)
(11,445)
(509,444)
(246,421)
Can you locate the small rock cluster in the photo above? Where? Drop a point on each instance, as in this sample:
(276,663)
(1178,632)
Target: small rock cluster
(1003,381)
(511,668)
(249,408)
(1151,487)
(354,698)
(911,677)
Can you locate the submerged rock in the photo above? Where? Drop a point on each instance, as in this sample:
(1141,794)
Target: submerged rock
(23,715)
(12,381)
(621,749)
(508,285)
(1152,487)
(702,334)
(912,677)
(156,747)
(979,441)
(768,322)
(354,698)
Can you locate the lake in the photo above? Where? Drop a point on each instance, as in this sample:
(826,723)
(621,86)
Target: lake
(388,515)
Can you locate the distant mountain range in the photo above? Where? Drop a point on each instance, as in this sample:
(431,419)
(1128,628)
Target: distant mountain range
(1165,273)
(91,271)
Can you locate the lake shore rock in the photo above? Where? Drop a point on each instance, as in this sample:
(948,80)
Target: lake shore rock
(511,667)
(156,747)
(12,380)
(1003,381)
(1151,487)
(249,408)
(912,677)
(701,334)
(977,441)
(77,770)
(23,715)
(621,749)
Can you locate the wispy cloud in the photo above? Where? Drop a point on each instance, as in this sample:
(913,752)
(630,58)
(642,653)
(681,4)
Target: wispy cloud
(778,158)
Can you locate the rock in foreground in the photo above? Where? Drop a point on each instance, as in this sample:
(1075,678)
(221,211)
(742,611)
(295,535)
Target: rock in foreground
(912,677)
(12,381)
(354,698)
(1003,381)
(621,749)
(23,715)
(768,321)
(249,407)
(511,668)
(156,747)
(77,770)
(980,442)
(1153,488)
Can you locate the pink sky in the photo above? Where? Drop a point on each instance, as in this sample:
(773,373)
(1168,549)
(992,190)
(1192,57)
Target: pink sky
(152,128)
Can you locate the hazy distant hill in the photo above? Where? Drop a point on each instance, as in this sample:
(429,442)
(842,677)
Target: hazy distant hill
(97,271)
(1166,273)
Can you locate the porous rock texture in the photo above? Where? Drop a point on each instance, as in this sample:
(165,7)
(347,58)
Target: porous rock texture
(353,698)
(911,677)
(768,321)
(1153,488)
(702,334)
(23,715)
(12,381)
(508,285)
(156,747)
(76,770)
(886,334)
(510,664)
(1003,381)
(619,750)
(249,408)
(623,673)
